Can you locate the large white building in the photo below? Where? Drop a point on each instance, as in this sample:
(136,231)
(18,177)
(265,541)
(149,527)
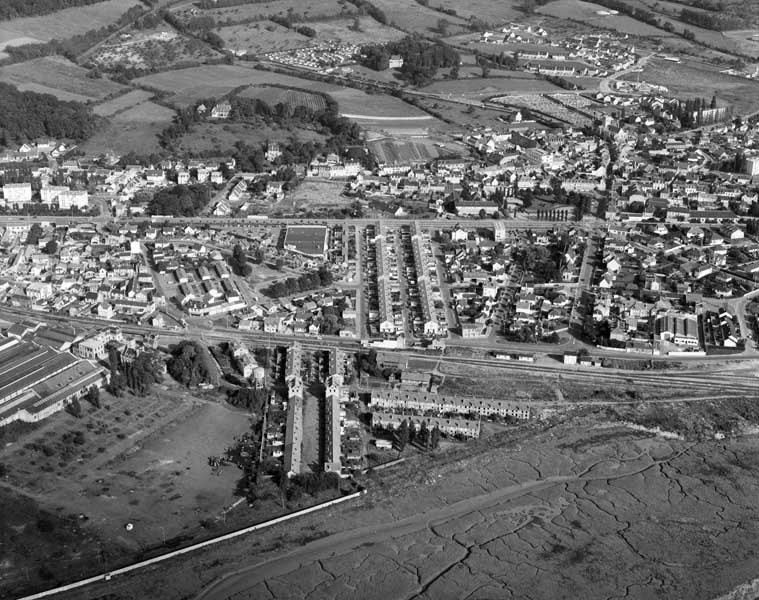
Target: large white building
(17,194)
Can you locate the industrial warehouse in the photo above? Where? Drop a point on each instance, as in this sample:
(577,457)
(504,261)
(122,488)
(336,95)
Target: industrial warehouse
(37,381)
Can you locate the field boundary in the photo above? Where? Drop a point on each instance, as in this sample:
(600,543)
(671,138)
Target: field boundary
(163,557)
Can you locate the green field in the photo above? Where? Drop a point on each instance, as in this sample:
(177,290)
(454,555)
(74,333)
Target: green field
(218,138)
(341,29)
(189,85)
(60,77)
(245,13)
(413,17)
(694,79)
(122,103)
(259,38)
(132,130)
(63,23)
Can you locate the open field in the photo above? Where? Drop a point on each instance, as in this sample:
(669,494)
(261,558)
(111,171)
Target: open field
(747,41)
(258,38)
(341,29)
(587,507)
(309,10)
(494,13)
(691,79)
(413,17)
(221,138)
(195,83)
(132,130)
(63,23)
(480,89)
(122,103)
(587,13)
(60,77)
(353,101)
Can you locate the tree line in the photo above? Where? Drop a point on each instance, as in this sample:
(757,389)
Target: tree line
(29,115)
(306,282)
(180,200)
(705,20)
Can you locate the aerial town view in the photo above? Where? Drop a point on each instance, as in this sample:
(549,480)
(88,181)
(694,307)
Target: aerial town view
(379,299)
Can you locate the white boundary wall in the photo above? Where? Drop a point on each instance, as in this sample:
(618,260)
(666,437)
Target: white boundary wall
(222,538)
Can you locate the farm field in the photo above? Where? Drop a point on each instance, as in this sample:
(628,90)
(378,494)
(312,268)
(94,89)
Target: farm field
(461,117)
(586,12)
(483,88)
(60,77)
(222,138)
(691,79)
(309,11)
(259,38)
(122,103)
(206,81)
(67,22)
(413,17)
(341,29)
(747,40)
(132,130)
(276,95)
(353,101)
(390,151)
(494,13)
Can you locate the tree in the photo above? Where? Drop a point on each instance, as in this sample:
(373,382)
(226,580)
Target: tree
(93,396)
(435,437)
(34,235)
(51,247)
(442,27)
(424,435)
(239,262)
(404,435)
(75,408)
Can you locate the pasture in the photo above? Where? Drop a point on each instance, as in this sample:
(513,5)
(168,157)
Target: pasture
(413,17)
(494,13)
(122,103)
(342,29)
(691,79)
(195,83)
(134,129)
(63,23)
(587,13)
(244,13)
(259,38)
(60,77)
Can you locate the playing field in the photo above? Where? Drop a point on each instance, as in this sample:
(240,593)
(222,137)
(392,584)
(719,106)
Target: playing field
(63,23)
(60,77)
